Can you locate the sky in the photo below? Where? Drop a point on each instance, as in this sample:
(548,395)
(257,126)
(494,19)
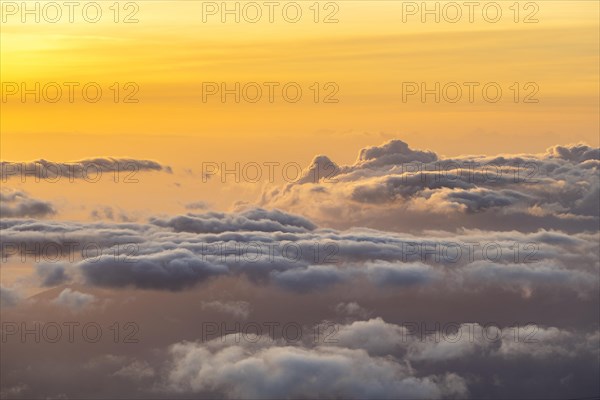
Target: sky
(369,137)
(166,52)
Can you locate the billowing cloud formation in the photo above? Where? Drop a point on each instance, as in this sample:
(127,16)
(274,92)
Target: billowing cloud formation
(289,251)
(256,370)
(88,169)
(17,204)
(392,153)
(374,359)
(463,340)
(576,153)
(370,358)
(394,187)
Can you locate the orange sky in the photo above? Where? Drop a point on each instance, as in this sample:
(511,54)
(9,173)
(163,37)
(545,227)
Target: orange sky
(366,56)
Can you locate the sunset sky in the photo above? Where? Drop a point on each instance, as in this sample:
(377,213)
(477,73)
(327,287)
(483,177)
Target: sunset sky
(362,67)
(368,53)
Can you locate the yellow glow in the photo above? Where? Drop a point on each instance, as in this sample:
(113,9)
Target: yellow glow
(368,54)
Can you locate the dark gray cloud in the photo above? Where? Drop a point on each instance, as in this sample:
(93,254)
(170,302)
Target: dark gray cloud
(171,270)
(575,153)
(52,274)
(18,204)
(82,169)
(250,220)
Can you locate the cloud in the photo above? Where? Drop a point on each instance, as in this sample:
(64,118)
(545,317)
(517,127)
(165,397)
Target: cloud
(52,274)
(320,168)
(392,153)
(372,359)
(375,238)
(395,274)
(103,213)
(394,187)
(577,153)
(278,371)
(18,204)
(250,220)
(171,269)
(88,169)
(273,247)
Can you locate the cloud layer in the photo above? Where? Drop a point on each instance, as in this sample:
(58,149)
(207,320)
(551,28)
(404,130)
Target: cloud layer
(89,169)
(394,187)
(290,252)
(400,235)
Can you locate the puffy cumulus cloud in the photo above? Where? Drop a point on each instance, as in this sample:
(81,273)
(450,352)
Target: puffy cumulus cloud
(290,252)
(375,336)
(574,153)
(371,358)
(321,167)
(18,204)
(376,359)
(551,342)
(392,153)
(73,299)
(394,187)
(88,169)
(258,370)
(454,341)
